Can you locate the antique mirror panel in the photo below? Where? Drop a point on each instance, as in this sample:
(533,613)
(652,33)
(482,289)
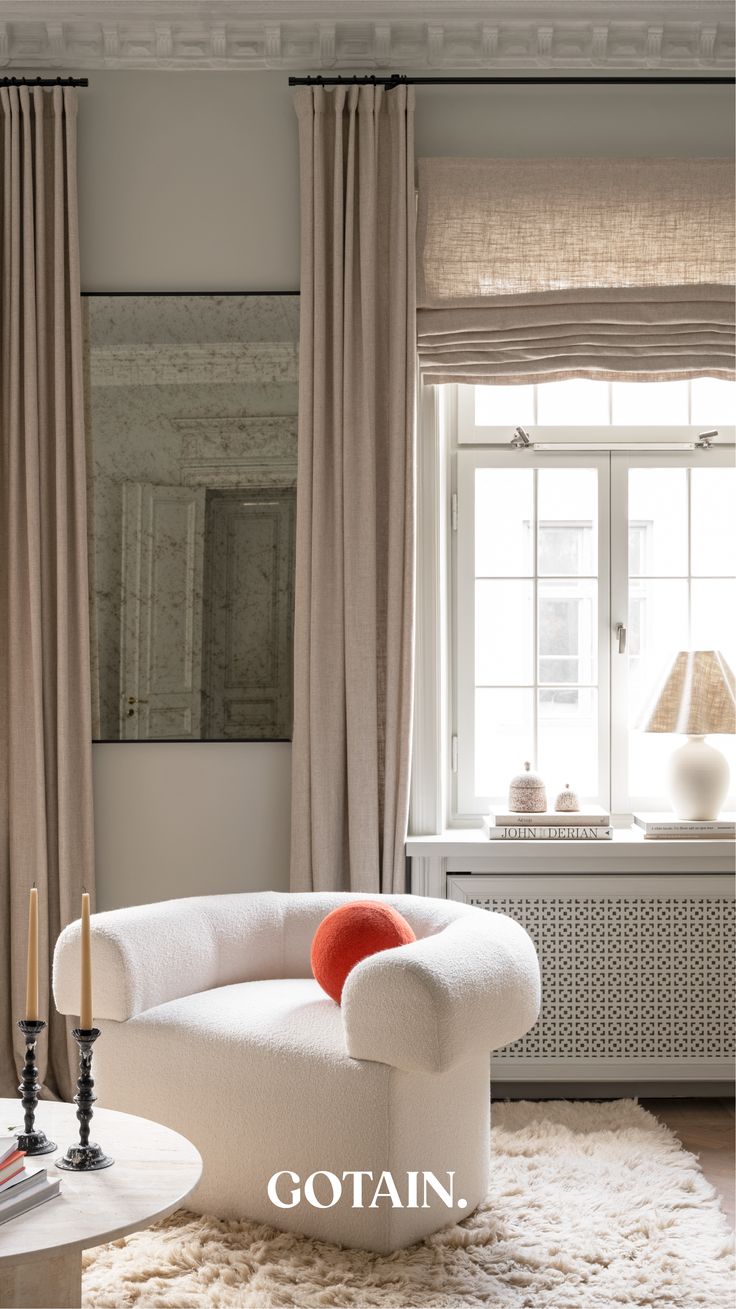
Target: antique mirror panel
(192,429)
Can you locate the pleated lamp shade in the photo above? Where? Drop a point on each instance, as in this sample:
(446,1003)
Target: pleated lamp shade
(697,698)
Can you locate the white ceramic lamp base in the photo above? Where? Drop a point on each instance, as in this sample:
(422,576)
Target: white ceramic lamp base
(698,780)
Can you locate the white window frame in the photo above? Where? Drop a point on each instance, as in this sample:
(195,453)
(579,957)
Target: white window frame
(466,803)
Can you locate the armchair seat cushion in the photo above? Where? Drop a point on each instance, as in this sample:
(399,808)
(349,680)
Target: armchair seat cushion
(286,1019)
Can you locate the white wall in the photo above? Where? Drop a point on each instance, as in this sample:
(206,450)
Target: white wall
(188,182)
(189,819)
(575,120)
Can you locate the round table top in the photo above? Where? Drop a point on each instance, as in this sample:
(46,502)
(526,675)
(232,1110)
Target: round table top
(155,1169)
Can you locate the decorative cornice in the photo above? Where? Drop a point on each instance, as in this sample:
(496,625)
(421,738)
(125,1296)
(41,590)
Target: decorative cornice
(401,35)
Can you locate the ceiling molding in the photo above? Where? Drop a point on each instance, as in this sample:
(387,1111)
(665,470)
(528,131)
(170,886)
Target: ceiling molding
(347,35)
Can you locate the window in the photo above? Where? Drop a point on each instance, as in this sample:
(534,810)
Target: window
(553,550)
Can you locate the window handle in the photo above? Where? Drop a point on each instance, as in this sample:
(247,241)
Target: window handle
(620,630)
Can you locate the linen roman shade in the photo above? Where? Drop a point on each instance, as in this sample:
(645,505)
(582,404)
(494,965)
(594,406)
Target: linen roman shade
(531,270)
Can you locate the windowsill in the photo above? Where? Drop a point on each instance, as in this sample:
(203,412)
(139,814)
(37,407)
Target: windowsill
(628,849)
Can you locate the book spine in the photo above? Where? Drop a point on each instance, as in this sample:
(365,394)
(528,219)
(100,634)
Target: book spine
(518,833)
(547,820)
(689,836)
(692,829)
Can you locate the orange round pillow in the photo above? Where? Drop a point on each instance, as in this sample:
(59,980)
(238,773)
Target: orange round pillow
(351,933)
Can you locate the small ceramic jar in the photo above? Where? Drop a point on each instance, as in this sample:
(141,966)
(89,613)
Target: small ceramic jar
(527,794)
(567,801)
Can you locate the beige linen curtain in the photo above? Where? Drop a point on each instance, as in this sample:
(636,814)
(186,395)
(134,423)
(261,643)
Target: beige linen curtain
(45,738)
(355,494)
(531,270)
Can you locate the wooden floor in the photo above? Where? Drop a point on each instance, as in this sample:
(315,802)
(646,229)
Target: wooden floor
(706,1129)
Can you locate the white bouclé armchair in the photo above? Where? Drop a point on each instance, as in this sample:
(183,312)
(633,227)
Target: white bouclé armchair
(212,1024)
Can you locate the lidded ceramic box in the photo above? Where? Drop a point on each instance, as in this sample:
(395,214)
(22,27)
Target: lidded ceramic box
(527,793)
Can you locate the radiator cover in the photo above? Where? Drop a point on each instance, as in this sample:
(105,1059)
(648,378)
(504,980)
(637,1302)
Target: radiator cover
(640,980)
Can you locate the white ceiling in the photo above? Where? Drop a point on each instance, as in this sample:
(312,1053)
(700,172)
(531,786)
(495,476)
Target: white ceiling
(355,35)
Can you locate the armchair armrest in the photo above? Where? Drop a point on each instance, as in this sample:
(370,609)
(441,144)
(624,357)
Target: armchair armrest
(149,954)
(427,1006)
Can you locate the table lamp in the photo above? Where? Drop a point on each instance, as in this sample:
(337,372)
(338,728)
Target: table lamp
(697,698)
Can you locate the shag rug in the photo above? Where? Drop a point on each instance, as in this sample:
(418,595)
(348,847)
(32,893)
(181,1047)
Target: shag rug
(591,1206)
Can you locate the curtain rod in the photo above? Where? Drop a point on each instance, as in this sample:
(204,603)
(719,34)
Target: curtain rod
(44,81)
(401,79)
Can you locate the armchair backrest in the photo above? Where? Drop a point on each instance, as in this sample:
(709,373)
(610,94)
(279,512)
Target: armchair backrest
(149,954)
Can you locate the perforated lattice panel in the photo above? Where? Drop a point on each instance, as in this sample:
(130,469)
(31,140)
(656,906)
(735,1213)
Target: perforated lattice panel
(638,978)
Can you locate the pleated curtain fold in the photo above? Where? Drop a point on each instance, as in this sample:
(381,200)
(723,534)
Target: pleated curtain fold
(355,493)
(45,736)
(533,270)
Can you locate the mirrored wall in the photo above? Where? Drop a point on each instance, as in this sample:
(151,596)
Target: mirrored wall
(192,403)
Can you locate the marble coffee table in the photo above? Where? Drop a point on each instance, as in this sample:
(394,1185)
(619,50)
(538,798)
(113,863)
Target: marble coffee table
(155,1170)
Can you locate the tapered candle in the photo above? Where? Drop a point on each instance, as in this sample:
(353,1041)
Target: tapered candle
(85,1003)
(32,958)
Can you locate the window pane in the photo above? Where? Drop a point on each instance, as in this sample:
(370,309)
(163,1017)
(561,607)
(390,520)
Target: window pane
(504,643)
(637,548)
(502,406)
(504,738)
(713,508)
(713,617)
(658,519)
(504,511)
(567,508)
(712,401)
(658,628)
(573,403)
(568,740)
(568,631)
(649,404)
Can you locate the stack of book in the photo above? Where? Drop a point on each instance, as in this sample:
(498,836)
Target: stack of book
(590,824)
(22,1185)
(666,827)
